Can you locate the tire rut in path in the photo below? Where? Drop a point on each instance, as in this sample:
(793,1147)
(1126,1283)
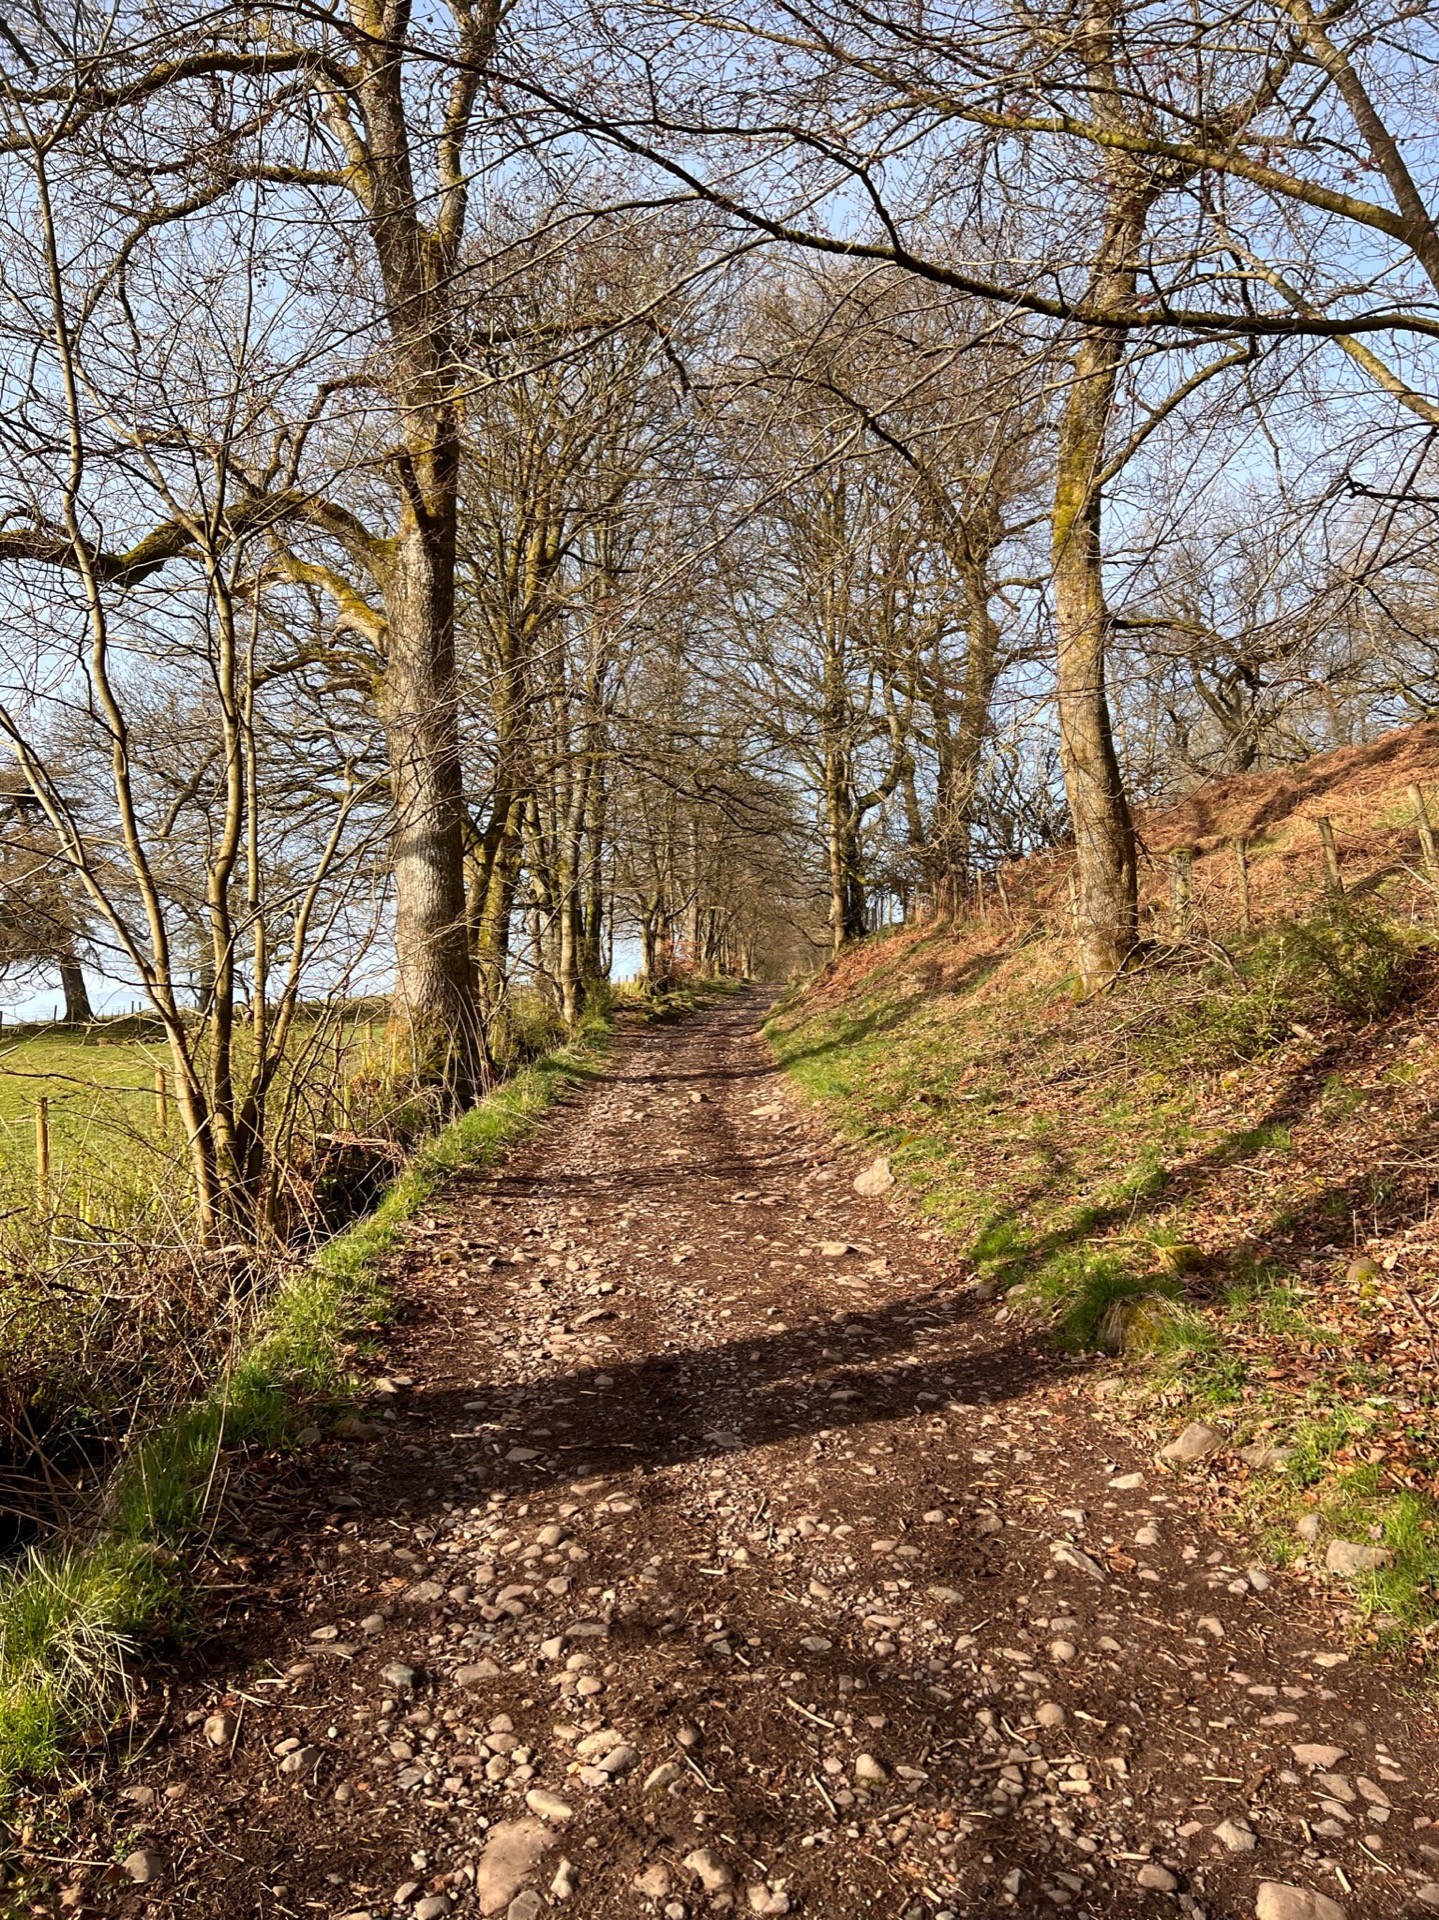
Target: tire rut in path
(712,1547)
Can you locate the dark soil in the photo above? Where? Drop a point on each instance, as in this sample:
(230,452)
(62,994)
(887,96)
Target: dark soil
(652,1458)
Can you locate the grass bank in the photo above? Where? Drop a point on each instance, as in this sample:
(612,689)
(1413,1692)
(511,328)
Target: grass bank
(1219,1172)
(71,1614)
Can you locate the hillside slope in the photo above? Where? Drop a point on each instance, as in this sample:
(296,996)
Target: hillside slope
(1223,1169)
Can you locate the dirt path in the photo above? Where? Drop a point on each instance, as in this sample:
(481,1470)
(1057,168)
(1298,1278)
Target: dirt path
(715,1549)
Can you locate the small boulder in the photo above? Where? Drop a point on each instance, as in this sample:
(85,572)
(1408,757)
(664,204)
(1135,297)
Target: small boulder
(512,1852)
(143,1866)
(220,1729)
(1157,1879)
(549,1806)
(763,1899)
(1277,1901)
(1181,1258)
(711,1872)
(564,1882)
(874,1180)
(1350,1557)
(654,1881)
(1196,1441)
(1236,1837)
(1313,1753)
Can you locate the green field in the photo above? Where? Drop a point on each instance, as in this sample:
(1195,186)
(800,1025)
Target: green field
(99,1090)
(107,1143)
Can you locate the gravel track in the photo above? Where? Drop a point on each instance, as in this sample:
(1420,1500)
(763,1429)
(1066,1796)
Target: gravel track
(708,1545)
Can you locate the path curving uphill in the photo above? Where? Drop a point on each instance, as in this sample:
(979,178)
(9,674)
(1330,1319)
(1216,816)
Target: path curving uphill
(709,1547)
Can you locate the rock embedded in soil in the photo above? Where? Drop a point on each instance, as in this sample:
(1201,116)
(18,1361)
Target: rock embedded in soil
(711,1872)
(874,1180)
(763,1899)
(512,1853)
(565,1881)
(144,1866)
(1277,1900)
(1350,1557)
(548,1806)
(1236,1837)
(1157,1879)
(220,1729)
(1195,1443)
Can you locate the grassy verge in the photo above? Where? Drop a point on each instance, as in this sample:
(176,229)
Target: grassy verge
(71,1615)
(1218,1172)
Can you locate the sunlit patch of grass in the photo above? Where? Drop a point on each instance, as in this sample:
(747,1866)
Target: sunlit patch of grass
(1188,1349)
(67,1622)
(1318,1436)
(1079,1288)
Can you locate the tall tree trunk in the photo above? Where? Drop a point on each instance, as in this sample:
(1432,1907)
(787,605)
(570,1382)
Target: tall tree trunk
(1107,900)
(846,888)
(72,985)
(435,1005)
(593,959)
(417,242)
(492,932)
(961,756)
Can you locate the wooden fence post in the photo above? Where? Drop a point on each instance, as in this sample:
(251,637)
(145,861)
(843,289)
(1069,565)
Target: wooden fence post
(1426,831)
(1004,898)
(1181,882)
(1332,874)
(1241,862)
(42,1148)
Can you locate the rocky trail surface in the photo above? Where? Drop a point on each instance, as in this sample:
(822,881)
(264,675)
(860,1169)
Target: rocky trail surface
(710,1547)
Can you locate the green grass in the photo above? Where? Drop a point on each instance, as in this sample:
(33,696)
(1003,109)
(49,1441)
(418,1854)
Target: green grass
(70,1615)
(110,1160)
(1152,1172)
